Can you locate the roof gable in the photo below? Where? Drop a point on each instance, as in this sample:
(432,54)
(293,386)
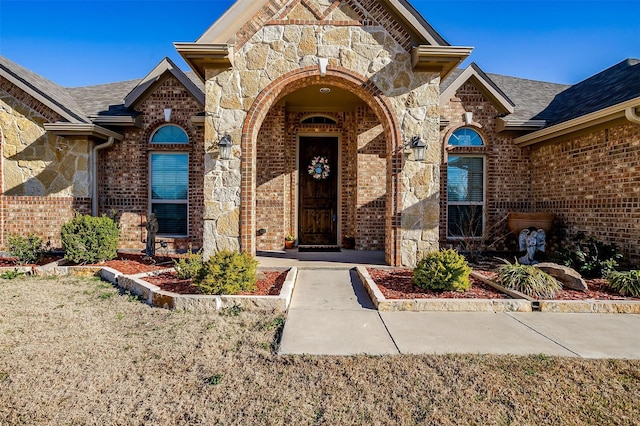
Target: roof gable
(156,77)
(245,17)
(474,74)
(55,97)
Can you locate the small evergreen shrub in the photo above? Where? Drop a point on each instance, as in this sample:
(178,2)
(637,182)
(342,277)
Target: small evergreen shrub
(27,249)
(444,270)
(228,272)
(625,283)
(528,279)
(89,239)
(189,266)
(590,257)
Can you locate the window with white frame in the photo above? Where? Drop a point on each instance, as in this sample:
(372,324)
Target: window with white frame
(169,133)
(169,192)
(465,187)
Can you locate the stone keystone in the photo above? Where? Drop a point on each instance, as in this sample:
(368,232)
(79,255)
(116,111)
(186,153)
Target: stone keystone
(567,276)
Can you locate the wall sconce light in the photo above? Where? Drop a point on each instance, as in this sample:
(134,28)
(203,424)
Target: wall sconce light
(167,114)
(224,146)
(419,148)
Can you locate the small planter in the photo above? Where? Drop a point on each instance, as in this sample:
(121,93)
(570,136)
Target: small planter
(349,243)
(519,221)
(288,244)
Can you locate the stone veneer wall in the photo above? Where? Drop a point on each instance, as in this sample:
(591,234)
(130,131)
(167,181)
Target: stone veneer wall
(44,178)
(508,166)
(123,169)
(592,182)
(264,53)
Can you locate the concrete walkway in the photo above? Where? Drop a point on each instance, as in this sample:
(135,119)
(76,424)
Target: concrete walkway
(331,314)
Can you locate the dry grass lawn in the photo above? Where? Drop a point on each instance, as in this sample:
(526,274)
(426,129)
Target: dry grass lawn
(75,351)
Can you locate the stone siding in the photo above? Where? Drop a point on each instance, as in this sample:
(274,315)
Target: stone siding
(367,55)
(123,176)
(592,182)
(44,178)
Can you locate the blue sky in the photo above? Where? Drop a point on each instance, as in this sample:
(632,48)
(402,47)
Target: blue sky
(84,42)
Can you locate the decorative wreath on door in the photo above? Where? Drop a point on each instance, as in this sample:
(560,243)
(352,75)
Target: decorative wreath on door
(319,168)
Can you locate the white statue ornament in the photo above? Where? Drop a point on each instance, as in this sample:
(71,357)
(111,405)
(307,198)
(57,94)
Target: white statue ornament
(531,240)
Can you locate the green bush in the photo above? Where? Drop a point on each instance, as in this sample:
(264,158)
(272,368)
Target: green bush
(228,272)
(189,266)
(528,279)
(590,257)
(27,249)
(89,239)
(625,283)
(445,270)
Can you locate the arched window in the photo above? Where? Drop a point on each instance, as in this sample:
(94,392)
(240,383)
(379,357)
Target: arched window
(466,185)
(318,119)
(465,137)
(169,134)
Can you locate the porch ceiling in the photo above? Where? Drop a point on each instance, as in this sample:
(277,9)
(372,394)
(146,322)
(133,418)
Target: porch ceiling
(310,98)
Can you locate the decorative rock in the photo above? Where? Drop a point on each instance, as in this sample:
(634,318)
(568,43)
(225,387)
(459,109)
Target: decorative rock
(567,276)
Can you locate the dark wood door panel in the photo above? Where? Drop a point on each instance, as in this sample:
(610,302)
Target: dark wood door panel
(317,210)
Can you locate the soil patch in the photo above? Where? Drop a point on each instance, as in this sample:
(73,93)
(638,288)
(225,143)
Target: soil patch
(44,260)
(598,290)
(270,285)
(398,284)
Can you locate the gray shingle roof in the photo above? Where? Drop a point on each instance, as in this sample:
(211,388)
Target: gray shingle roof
(610,87)
(104,99)
(57,95)
(530,96)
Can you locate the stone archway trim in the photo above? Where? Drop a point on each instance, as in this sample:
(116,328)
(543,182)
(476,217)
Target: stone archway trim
(371,95)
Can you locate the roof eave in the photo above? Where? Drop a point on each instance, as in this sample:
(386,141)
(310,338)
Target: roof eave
(81,129)
(202,56)
(42,97)
(506,123)
(117,120)
(441,59)
(593,119)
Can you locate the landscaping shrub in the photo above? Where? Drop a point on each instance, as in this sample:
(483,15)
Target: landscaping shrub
(590,257)
(444,270)
(189,266)
(27,249)
(228,272)
(528,279)
(625,283)
(89,239)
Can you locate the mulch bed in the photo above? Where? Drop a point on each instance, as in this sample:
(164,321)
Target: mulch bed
(598,290)
(269,286)
(45,260)
(397,284)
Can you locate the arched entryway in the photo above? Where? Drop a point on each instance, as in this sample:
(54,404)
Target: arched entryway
(366,164)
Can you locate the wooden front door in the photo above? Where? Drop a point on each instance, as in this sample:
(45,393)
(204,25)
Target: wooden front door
(318,201)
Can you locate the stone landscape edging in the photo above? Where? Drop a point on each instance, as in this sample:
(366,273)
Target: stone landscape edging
(571,306)
(155,296)
(440,305)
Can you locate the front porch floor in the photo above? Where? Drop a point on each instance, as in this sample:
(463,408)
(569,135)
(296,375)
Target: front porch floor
(345,259)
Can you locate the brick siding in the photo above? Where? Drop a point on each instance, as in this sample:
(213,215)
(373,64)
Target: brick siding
(507,165)
(123,169)
(592,182)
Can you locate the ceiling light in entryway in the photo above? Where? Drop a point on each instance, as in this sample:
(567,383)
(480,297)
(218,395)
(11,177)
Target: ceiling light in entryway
(325,90)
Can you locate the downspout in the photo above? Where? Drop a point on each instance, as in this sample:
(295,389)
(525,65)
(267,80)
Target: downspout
(94,174)
(632,115)
(2,143)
